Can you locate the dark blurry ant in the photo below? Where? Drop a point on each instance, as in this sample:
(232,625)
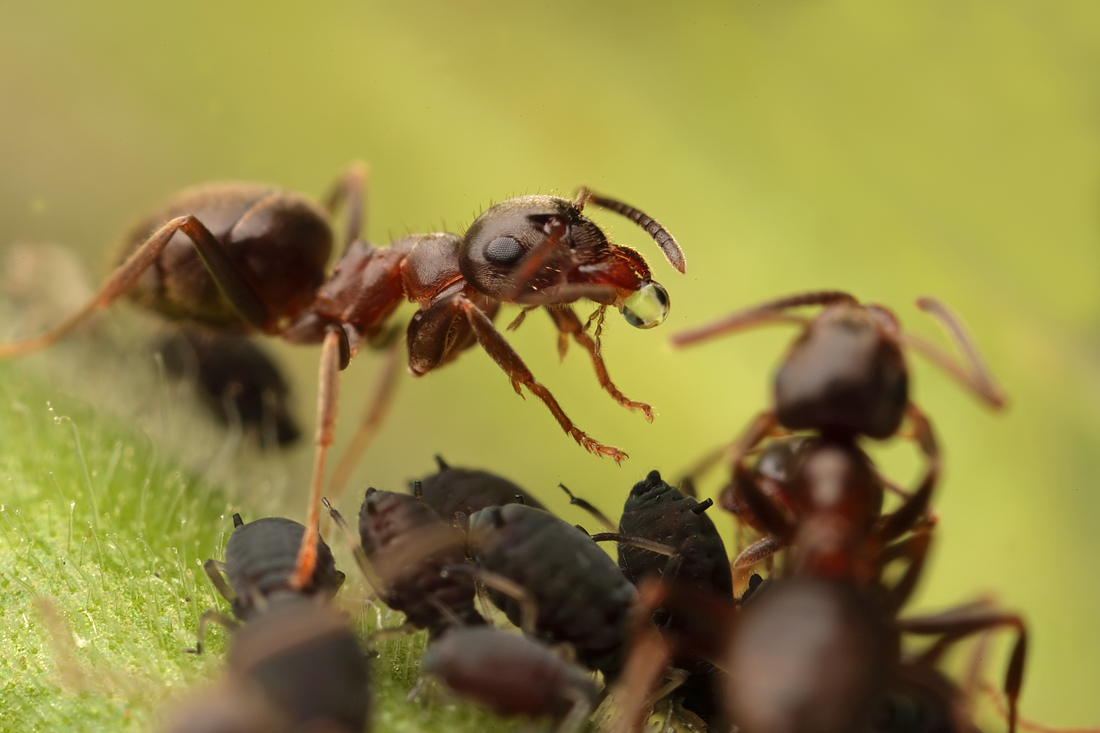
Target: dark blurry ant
(845,376)
(242,257)
(292,645)
(511,675)
(236,379)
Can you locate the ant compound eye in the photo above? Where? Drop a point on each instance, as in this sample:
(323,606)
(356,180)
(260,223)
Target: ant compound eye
(648,307)
(504,251)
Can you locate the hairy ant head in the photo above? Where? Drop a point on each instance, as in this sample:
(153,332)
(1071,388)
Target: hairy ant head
(542,250)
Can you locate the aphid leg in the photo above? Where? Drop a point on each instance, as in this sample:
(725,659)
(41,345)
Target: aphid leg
(349,190)
(974,374)
(215,575)
(567,322)
(232,283)
(328,382)
(757,551)
(379,406)
(528,606)
(204,623)
(586,506)
(639,542)
(357,550)
(574,720)
(958,623)
(508,360)
(916,506)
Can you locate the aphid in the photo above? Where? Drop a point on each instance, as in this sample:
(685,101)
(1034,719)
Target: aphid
(236,379)
(456,493)
(511,675)
(259,564)
(583,599)
(251,258)
(292,646)
(409,546)
(656,511)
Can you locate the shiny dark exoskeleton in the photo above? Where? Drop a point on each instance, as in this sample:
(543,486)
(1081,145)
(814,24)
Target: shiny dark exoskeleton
(236,380)
(409,547)
(259,564)
(583,598)
(292,646)
(656,511)
(456,493)
(511,675)
(251,258)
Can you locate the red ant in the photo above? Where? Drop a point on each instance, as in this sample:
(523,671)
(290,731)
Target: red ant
(251,258)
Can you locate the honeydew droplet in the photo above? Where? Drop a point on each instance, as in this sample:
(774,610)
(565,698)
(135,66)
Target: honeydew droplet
(648,307)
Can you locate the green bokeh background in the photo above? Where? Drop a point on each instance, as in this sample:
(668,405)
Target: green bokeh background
(889,149)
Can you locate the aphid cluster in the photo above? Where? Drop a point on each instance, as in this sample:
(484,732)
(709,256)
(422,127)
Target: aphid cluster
(817,647)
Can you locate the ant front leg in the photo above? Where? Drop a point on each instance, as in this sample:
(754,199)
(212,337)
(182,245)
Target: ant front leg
(569,325)
(328,382)
(223,270)
(507,359)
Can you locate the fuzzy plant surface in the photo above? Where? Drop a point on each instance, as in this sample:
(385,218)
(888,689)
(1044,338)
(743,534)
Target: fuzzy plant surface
(102,536)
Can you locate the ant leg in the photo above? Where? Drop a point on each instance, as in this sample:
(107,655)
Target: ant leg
(914,550)
(578,713)
(586,506)
(372,419)
(567,322)
(507,359)
(327,383)
(204,623)
(916,506)
(214,573)
(349,190)
(975,376)
(763,314)
(955,624)
(239,292)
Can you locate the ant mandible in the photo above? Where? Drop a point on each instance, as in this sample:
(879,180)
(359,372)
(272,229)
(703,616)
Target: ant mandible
(247,257)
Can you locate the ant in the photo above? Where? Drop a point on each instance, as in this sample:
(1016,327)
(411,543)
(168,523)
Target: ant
(292,645)
(845,376)
(243,258)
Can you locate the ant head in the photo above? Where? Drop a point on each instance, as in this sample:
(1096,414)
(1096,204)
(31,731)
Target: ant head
(542,250)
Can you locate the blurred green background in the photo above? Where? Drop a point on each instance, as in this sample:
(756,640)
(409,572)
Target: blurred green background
(893,150)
